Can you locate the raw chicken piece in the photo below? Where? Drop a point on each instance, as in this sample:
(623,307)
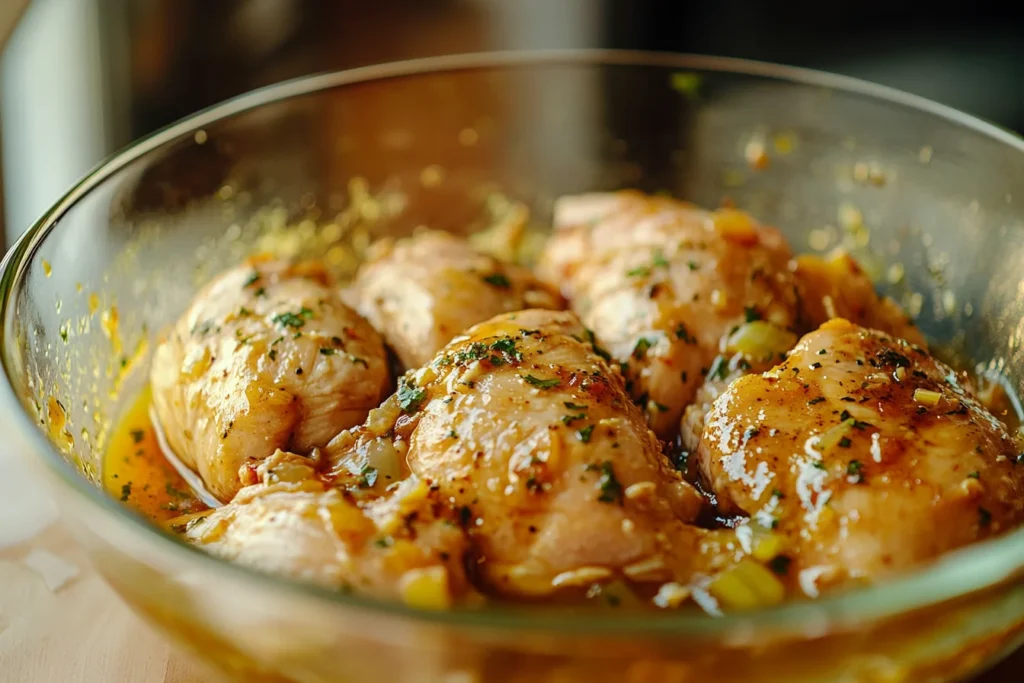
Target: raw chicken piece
(864,455)
(835,286)
(401,546)
(422,291)
(266,357)
(830,287)
(531,436)
(662,283)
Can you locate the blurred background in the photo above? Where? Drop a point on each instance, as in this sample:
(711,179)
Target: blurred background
(80,79)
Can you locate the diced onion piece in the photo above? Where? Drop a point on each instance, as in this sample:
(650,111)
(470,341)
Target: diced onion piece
(747,585)
(761,340)
(835,435)
(426,588)
(767,547)
(927,397)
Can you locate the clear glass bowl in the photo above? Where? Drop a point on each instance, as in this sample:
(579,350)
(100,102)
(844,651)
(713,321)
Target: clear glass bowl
(930,198)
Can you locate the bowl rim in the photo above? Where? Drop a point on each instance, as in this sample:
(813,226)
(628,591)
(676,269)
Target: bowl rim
(969,570)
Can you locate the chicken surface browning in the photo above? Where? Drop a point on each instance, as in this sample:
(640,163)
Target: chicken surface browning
(864,455)
(530,435)
(405,545)
(661,283)
(266,357)
(421,291)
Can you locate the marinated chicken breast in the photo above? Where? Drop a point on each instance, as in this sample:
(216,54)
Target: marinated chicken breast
(830,287)
(421,291)
(267,357)
(530,435)
(835,286)
(662,283)
(863,454)
(404,546)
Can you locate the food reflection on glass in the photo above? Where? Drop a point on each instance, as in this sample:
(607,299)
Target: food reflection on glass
(671,410)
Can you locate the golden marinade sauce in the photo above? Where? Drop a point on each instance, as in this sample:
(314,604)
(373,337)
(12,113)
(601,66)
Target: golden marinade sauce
(136,473)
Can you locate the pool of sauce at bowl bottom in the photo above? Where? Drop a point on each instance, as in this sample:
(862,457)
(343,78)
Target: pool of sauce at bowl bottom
(136,473)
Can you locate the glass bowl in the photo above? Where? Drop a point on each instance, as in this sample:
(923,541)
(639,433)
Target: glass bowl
(929,198)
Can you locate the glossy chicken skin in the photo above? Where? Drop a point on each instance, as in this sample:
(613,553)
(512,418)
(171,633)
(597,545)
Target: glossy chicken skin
(864,454)
(661,282)
(404,546)
(267,357)
(531,436)
(421,291)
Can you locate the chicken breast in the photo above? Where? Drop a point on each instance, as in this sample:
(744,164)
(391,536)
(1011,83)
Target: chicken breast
(835,286)
(860,455)
(528,432)
(661,283)
(830,287)
(421,291)
(267,357)
(403,546)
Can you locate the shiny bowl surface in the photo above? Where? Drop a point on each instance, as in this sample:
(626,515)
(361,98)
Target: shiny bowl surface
(931,200)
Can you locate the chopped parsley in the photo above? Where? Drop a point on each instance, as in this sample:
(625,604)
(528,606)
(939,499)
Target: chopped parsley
(639,271)
(410,398)
(661,407)
(684,335)
(693,265)
(574,406)
(642,346)
(818,464)
(367,477)
(465,516)
(974,475)
(506,346)
(295,320)
(750,314)
(253,278)
(542,383)
(611,489)
(682,461)
(815,366)
(138,435)
(584,434)
(719,368)
(569,419)
(844,442)
(273,354)
(778,493)
(816,400)
(855,471)
(659,260)
(497,280)
(597,348)
(984,517)
(324,351)
(261,292)
(244,312)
